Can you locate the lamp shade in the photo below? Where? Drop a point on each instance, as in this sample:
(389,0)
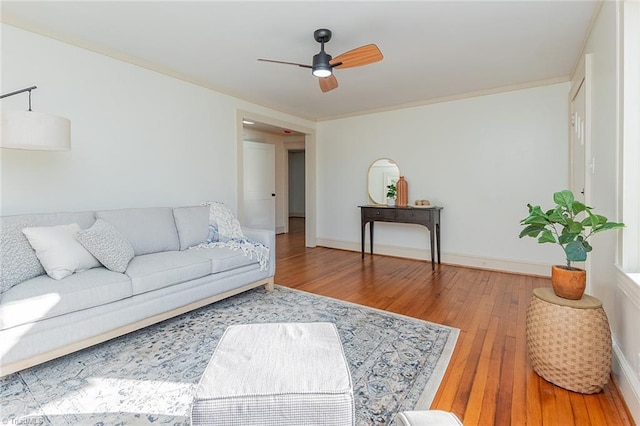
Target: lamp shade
(34,131)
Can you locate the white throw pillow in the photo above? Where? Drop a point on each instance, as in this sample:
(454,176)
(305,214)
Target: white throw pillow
(108,245)
(58,250)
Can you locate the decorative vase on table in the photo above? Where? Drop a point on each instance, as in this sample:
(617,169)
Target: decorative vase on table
(568,283)
(403,192)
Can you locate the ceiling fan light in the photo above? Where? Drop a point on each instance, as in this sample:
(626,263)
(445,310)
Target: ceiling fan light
(322,72)
(321,66)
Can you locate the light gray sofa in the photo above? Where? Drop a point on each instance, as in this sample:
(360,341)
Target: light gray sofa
(42,318)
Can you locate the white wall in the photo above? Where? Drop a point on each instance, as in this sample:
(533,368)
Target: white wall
(139,138)
(483,159)
(620,297)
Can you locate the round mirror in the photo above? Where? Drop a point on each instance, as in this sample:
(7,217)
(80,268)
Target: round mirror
(382,172)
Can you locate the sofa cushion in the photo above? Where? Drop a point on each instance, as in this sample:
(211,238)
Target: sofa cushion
(108,245)
(18,260)
(149,230)
(43,297)
(192,224)
(58,250)
(157,270)
(224,258)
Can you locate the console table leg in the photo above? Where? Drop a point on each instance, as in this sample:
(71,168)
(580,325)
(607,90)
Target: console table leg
(364,225)
(371,236)
(431,241)
(438,240)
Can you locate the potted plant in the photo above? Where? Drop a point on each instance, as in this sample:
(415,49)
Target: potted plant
(392,191)
(569,224)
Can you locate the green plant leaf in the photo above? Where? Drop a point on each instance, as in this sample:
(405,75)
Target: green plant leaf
(556,216)
(574,227)
(535,211)
(608,225)
(546,237)
(575,252)
(566,238)
(536,216)
(564,198)
(531,231)
(539,220)
(578,207)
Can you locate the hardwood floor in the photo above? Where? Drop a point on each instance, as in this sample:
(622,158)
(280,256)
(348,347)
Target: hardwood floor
(489,380)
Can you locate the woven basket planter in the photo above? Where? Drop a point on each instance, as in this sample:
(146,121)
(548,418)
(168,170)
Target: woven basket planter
(569,346)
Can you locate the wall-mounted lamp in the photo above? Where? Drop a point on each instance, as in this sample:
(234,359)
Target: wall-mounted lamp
(34,130)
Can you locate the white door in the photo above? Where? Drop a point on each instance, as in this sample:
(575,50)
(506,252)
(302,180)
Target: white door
(259,185)
(578,143)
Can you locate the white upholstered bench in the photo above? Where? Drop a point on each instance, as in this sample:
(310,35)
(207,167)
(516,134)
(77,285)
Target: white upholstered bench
(276,374)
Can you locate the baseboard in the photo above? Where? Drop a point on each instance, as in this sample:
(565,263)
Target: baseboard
(297,214)
(280,230)
(491,263)
(627,383)
(623,373)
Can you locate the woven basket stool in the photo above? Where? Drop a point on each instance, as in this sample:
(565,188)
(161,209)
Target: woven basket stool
(569,341)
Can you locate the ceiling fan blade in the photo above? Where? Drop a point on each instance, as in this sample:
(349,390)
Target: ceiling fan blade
(362,55)
(328,83)
(286,63)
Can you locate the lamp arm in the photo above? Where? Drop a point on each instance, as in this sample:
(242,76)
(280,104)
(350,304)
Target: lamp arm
(28,89)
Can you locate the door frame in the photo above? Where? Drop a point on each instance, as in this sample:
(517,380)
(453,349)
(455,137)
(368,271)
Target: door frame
(310,167)
(583,78)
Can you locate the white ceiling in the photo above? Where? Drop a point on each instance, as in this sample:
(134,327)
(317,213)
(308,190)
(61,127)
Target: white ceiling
(432,49)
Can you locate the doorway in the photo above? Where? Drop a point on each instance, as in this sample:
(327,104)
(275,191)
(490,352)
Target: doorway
(296,181)
(286,138)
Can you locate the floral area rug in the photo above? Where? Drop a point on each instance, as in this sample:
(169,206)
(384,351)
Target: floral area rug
(149,376)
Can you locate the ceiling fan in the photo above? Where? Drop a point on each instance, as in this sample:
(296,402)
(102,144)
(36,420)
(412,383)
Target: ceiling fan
(323,63)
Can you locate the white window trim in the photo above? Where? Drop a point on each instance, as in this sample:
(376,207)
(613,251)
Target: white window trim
(630,127)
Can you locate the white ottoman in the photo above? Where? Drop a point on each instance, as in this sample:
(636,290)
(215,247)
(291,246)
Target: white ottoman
(428,418)
(276,374)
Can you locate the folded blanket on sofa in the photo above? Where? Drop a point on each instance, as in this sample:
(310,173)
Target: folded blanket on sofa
(225,231)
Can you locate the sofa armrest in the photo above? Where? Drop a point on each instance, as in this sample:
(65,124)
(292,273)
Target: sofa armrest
(268,238)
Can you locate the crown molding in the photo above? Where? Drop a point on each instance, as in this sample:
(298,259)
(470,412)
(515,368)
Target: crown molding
(473,94)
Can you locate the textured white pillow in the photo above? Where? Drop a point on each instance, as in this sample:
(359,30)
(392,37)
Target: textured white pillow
(58,250)
(18,261)
(108,245)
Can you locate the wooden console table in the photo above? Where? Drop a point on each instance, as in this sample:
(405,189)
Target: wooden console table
(428,217)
